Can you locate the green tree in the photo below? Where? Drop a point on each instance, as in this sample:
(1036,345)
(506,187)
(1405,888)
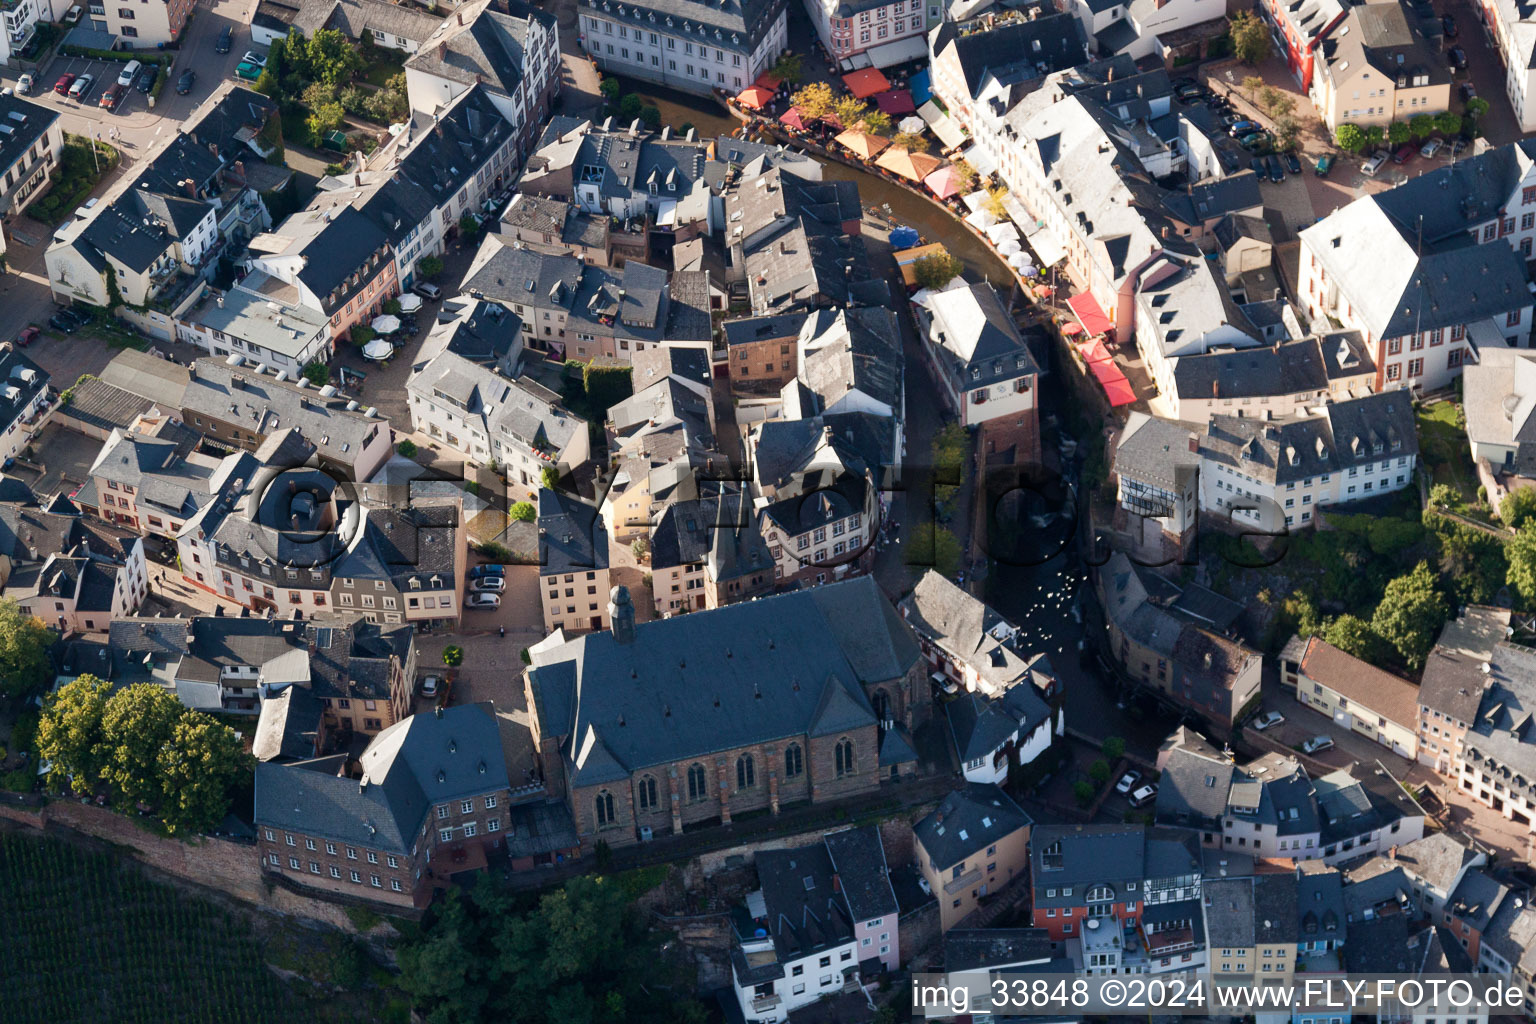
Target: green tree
(1286,132)
(24,644)
(1476,107)
(318,374)
(324,119)
(1268,96)
(1253,85)
(453,655)
(362,334)
(606,386)
(318,94)
(911,141)
(1350,137)
(1113,748)
(936,270)
(877,121)
(407,447)
(965,175)
(650,114)
(549,478)
(1521,552)
(1353,635)
(1374,135)
(198,769)
(69,734)
(934,546)
(332,57)
(468,226)
(1099,772)
(1411,613)
(1421,126)
(1398,133)
(788,68)
(1444,496)
(1284,105)
(640,547)
(814,100)
(1518,507)
(1083,792)
(429,266)
(609,87)
(139,721)
(629,106)
(523,512)
(1448,123)
(850,111)
(1250,39)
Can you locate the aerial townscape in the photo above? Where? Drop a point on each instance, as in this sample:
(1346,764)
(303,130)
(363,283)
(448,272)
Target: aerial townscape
(712,510)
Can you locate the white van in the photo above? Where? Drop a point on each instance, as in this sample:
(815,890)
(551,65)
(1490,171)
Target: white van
(1371,166)
(130,72)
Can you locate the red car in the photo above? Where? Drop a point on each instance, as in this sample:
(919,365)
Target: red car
(1406,152)
(27,336)
(62,85)
(113,95)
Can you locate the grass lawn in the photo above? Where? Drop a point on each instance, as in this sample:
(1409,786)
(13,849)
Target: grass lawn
(381,70)
(79,173)
(1443,448)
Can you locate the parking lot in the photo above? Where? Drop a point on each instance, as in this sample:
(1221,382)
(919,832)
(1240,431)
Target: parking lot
(104,74)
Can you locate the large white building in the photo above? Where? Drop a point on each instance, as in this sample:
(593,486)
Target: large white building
(695,47)
(1397,267)
(878,33)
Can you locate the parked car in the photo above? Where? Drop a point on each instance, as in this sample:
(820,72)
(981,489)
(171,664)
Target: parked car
(147,79)
(252,57)
(1406,152)
(63,85)
(1374,164)
(24,83)
(1431,147)
(1187,91)
(1324,165)
(82,87)
(1448,25)
(1291,163)
(226,38)
(1256,165)
(27,336)
(130,71)
(1242,128)
(483,601)
(1468,91)
(184,83)
(247,71)
(1457,58)
(1276,172)
(489,585)
(1316,744)
(1268,720)
(431,685)
(1143,796)
(427,290)
(60,322)
(488,569)
(1128,782)
(1228,120)
(1255,141)
(113,95)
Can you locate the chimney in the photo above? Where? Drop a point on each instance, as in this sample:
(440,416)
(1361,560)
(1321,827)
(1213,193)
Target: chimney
(1215,389)
(239,169)
(191,187)
(622,613)
(442,51)
(461,17)
(1194,442)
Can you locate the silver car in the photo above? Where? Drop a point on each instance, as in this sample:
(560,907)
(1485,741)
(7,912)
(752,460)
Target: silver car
(483,600)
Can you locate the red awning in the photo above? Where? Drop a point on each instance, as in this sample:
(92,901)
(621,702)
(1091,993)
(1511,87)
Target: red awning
(1088,313)
(1113,381)
(768,81)
(866,83)
(1094,352)
(793,118)
(755,96)
(1071,329)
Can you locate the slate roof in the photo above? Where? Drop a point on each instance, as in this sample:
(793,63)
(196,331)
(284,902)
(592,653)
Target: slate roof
(966,821)
(1344,435)
(858,857)
(783,666)
(978,342)
(1289,368)
(287,728)
(1229,912)
(1196,779)
(1011,47)
(1155,451)
(27,122)
(572,537)
(1086,855)
(1512,933)
(1500,737)
(1379,946)
(982,726)
(1211,198)
(966,628)
(804,909)
(410,766)
(1437,858)
(1453,679)
(485,46)
(1320,906)
(971,949)
(853,350)
(1477,898)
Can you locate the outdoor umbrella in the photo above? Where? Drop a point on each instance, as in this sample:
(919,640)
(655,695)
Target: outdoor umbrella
(866,83)
(1020,260)
(895,102)
(944,182)
(910,165)
(755,96)
(794,119)
(378,349)
(410,303)
(861,144)
(386,324)
(904,237)
(1009,246)
(912,125)
(768,81)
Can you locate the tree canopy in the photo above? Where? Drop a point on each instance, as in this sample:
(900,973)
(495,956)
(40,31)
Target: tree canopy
(936,270)
(581,955)
(1411,613)
(24,643)
(814,100)
(1250,38)
(1350,138)
(1518,507)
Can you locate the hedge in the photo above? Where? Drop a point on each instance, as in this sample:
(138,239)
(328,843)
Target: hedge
(121,56)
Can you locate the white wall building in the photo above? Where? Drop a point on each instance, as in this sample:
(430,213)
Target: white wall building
(698,48)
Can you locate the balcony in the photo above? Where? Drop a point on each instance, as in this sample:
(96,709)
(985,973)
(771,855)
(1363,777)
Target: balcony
(965,881)
(761,1004)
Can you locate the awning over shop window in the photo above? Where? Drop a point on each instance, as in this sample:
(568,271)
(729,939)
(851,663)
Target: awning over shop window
(1086,308)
